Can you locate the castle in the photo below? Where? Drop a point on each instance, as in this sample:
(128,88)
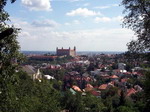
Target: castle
(67,52)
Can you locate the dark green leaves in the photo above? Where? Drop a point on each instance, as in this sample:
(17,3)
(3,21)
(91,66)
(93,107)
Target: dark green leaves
(138,19)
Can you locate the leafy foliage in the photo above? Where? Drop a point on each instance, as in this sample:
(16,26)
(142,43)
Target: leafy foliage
(36,96)
(9,60)
(79,103)
(147,91)
(138,19)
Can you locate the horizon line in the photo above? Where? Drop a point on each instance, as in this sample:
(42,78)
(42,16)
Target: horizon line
(76,51)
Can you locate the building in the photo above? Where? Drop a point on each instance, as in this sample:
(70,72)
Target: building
(42,58)
(30,70)
(67,52)
(121,66)
(37,75)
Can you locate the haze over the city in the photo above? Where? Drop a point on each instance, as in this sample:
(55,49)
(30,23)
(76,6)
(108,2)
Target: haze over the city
(90,25)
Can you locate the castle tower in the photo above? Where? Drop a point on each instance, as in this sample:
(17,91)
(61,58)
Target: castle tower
(74,48)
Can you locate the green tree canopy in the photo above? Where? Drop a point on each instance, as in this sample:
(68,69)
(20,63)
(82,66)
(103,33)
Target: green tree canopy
(138,19)
(9,57)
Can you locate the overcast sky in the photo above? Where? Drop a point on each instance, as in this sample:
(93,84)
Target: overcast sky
(90,25)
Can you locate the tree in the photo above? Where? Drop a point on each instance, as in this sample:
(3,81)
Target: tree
(79,103)
(125,109)
(122,98)
(3,3)
(71,102)
(35,96)
(147,91)
(138,19)
(92,103)
(9,57)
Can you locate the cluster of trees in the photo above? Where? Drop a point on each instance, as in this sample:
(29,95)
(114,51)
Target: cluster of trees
(58,74)
(138,19)
(44,96)
(79,103)
(8,55)
(34,96)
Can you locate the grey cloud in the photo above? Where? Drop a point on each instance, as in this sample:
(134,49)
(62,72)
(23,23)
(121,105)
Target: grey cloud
(45,23)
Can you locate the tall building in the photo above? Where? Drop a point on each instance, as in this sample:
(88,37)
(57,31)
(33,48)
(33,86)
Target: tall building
(67,52)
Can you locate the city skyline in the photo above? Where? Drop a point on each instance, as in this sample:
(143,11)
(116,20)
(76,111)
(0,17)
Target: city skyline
(88,25)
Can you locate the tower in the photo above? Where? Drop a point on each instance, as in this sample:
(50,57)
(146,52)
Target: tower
(74,48)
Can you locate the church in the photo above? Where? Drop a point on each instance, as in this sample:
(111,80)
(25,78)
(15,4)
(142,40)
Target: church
(67,52)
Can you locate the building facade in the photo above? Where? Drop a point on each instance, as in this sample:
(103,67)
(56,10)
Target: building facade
(67,52)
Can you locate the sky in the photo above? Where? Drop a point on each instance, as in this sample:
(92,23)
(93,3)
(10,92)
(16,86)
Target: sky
(90,25)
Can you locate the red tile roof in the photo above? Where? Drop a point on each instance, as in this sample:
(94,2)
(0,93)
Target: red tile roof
(42,56)
(89,85)
(103,86)
(95,93)
(76,88)
(114,77)
(131,91)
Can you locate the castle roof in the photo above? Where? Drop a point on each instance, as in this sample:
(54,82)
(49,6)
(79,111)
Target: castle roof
(63,49)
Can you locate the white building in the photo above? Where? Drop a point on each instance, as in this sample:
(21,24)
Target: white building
(121,66)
